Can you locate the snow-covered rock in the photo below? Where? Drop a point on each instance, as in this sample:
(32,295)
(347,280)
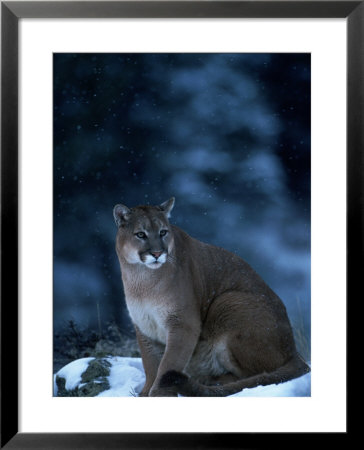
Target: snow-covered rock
(116,376)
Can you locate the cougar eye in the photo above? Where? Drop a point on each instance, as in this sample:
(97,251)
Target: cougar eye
(141,235)
(163,232)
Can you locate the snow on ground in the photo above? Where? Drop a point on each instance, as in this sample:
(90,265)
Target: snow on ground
(126,378)
(299,387)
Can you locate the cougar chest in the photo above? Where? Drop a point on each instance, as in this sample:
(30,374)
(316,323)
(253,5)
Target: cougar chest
(148,317)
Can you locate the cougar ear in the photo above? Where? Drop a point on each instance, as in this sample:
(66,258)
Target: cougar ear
(168,206)
(121,213)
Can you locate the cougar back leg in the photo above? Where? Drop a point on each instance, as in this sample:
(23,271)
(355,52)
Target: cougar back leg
(251,335)
(222,379)
(255,354)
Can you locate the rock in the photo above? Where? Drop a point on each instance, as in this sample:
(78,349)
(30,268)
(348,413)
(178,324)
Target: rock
(110,376)
(92,381)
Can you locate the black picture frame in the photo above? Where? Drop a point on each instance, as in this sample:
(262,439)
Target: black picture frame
(11,13)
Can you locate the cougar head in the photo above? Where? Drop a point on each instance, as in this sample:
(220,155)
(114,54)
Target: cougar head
(144,233)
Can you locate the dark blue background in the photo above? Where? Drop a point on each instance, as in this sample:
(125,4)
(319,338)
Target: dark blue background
(227,134)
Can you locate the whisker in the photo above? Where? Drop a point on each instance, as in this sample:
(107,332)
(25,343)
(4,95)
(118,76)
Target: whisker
(171,258)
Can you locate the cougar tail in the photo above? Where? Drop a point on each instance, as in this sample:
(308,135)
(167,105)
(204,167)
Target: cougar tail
(186,386)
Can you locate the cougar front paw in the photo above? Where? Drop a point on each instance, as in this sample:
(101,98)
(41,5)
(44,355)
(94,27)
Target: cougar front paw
(143,393)
(160,392)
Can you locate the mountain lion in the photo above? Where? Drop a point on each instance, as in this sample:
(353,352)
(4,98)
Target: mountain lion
(206,323)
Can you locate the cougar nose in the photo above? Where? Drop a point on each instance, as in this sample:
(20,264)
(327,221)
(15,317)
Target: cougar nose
(156,254)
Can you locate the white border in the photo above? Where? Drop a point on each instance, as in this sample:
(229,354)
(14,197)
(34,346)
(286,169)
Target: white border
(326,409)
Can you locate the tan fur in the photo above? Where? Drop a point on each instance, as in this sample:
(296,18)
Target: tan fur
(199,310)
